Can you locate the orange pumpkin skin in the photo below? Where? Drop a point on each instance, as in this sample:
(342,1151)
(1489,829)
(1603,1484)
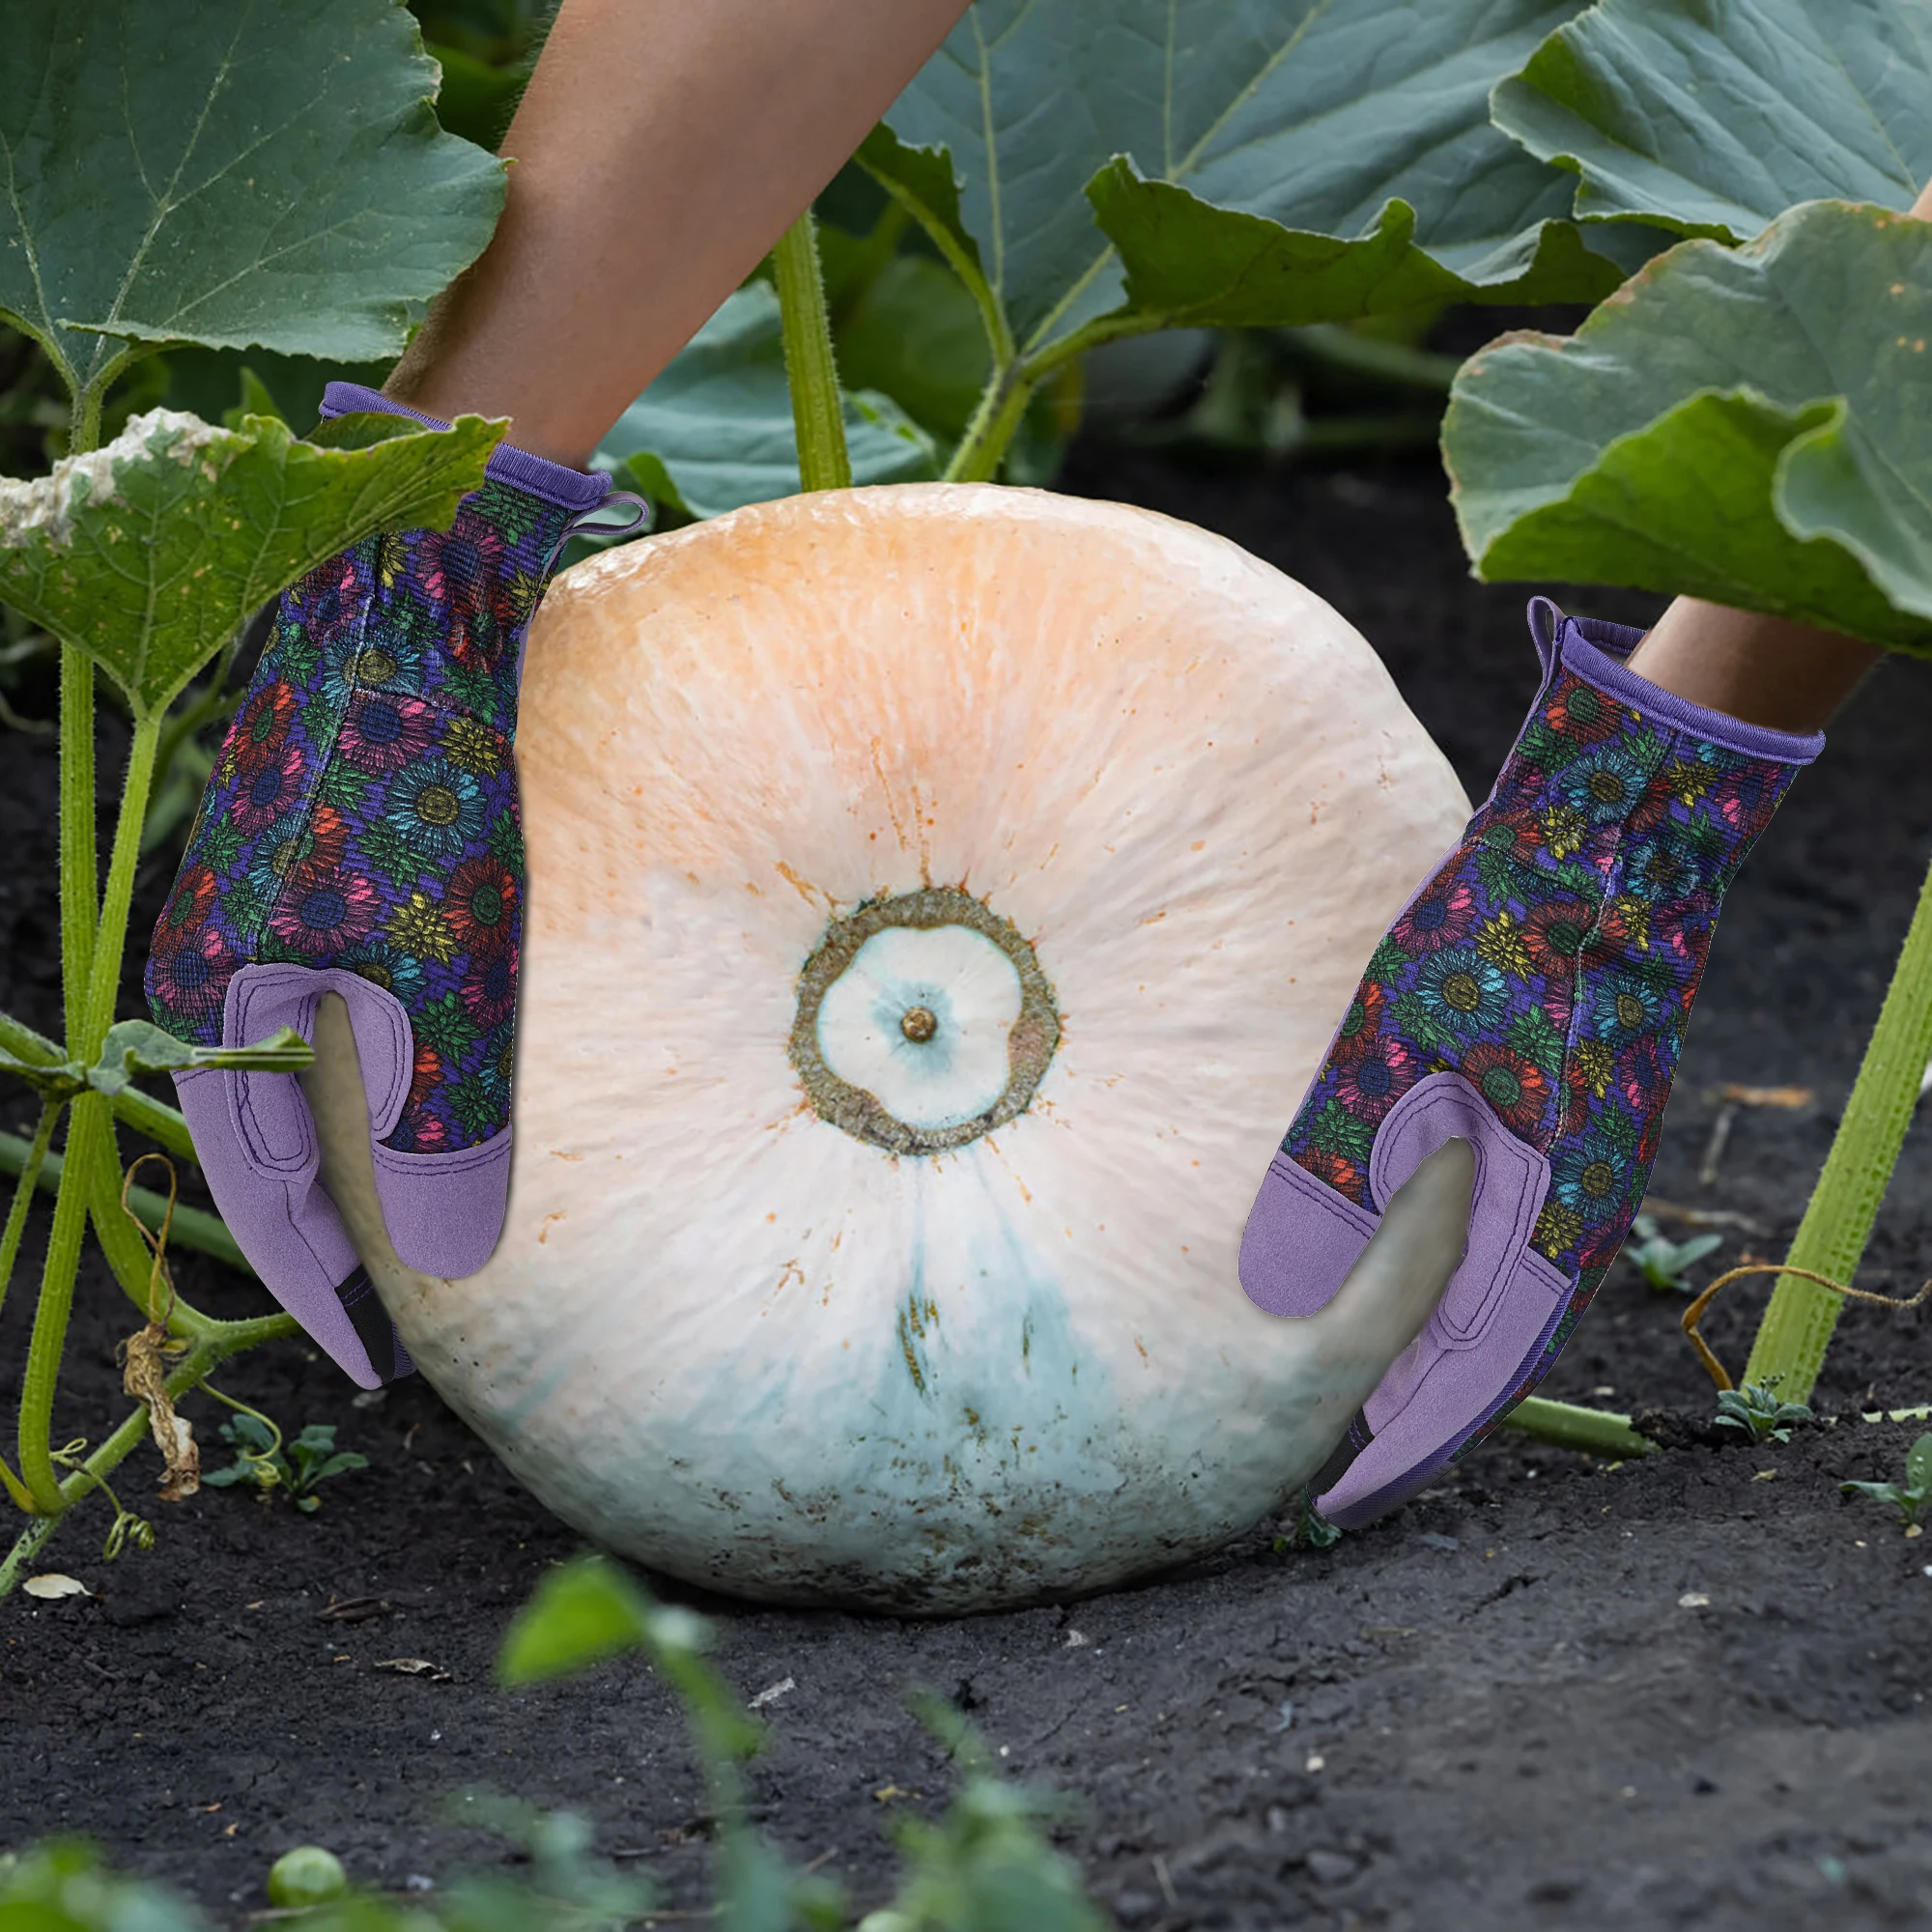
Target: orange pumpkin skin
(750,1347)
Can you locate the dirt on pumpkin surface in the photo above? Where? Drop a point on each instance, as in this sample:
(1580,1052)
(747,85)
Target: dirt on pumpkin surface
(1686,1690)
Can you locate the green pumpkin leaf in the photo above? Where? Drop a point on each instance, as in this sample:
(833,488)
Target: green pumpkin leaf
(580,1614)
(149,554)
(1919,1465)
(1192,262)
(923,182)
(1260,160)
(1749,425)
(715,432)
(1715,119)
(228,174)
(256,400)
(913,333)
(137,1046)
(359,429)
(51,1079)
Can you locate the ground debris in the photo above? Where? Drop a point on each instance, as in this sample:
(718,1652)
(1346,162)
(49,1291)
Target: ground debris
(1683,1429)
(52,1586)
(353,1609)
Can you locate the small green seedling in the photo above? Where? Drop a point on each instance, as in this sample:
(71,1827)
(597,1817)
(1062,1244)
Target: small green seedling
(295,1468)
(563,1886)
(306,1876)
(1311,1531)
(1910,1496)
(1756,1410)
(1662,1261)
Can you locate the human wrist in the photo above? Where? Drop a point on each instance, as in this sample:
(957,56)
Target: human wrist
(1763,670)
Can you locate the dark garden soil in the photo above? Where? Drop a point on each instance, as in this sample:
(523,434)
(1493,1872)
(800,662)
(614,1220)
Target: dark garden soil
(1683,1691)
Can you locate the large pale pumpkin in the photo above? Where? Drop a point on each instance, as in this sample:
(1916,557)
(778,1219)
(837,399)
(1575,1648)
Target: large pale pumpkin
(940,897)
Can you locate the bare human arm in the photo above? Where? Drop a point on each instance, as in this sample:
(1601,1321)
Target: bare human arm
(661,148)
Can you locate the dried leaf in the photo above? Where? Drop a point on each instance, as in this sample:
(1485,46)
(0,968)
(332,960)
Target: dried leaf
(52,1585)
(416,1666)
(1790,1099)
(354,1611)
(145,1377)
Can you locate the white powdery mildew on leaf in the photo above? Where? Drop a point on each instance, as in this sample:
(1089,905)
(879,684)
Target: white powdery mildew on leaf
(46,505)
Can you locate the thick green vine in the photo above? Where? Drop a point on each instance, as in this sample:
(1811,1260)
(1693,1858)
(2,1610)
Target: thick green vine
(1831,1241)
(817,405)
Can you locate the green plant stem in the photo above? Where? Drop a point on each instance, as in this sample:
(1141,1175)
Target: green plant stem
(875,251)
(90,1133)
(1010,387)
(27,1546)
(32,1158)
(222,1343)
(1391,362)
(983,448)
(111,934)
(181,726)
(1831,1241)
(58,1270)
(817,405)
(1339,435)
(960,260)
(1042,362)
(126,1254)
(79,863)
(83,424)
(193,1227)
(142,1112)
(1568,1426)
(214,700)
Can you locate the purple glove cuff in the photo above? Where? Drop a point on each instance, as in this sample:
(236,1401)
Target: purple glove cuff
(575,490)
(1595,650)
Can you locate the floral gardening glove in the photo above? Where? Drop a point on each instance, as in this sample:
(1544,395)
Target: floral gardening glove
(359,835)
(1531,1000)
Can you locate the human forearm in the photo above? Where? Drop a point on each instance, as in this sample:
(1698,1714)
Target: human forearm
(661,148)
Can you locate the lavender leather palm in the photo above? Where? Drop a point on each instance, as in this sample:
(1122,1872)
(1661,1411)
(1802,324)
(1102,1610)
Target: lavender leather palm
(1530,998)
(359,835)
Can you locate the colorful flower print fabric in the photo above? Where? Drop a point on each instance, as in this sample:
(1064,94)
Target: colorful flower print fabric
(1552,958)
(363,814)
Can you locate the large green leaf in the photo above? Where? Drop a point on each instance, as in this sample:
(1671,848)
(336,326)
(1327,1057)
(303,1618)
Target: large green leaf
(230,172)
(1192,263)
(1751,425)
(912,332)
(714,429)
(1714,119)
(149,552)
(1260,160)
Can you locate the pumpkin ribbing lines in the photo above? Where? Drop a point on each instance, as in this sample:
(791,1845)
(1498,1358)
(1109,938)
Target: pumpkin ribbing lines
(1037,838)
